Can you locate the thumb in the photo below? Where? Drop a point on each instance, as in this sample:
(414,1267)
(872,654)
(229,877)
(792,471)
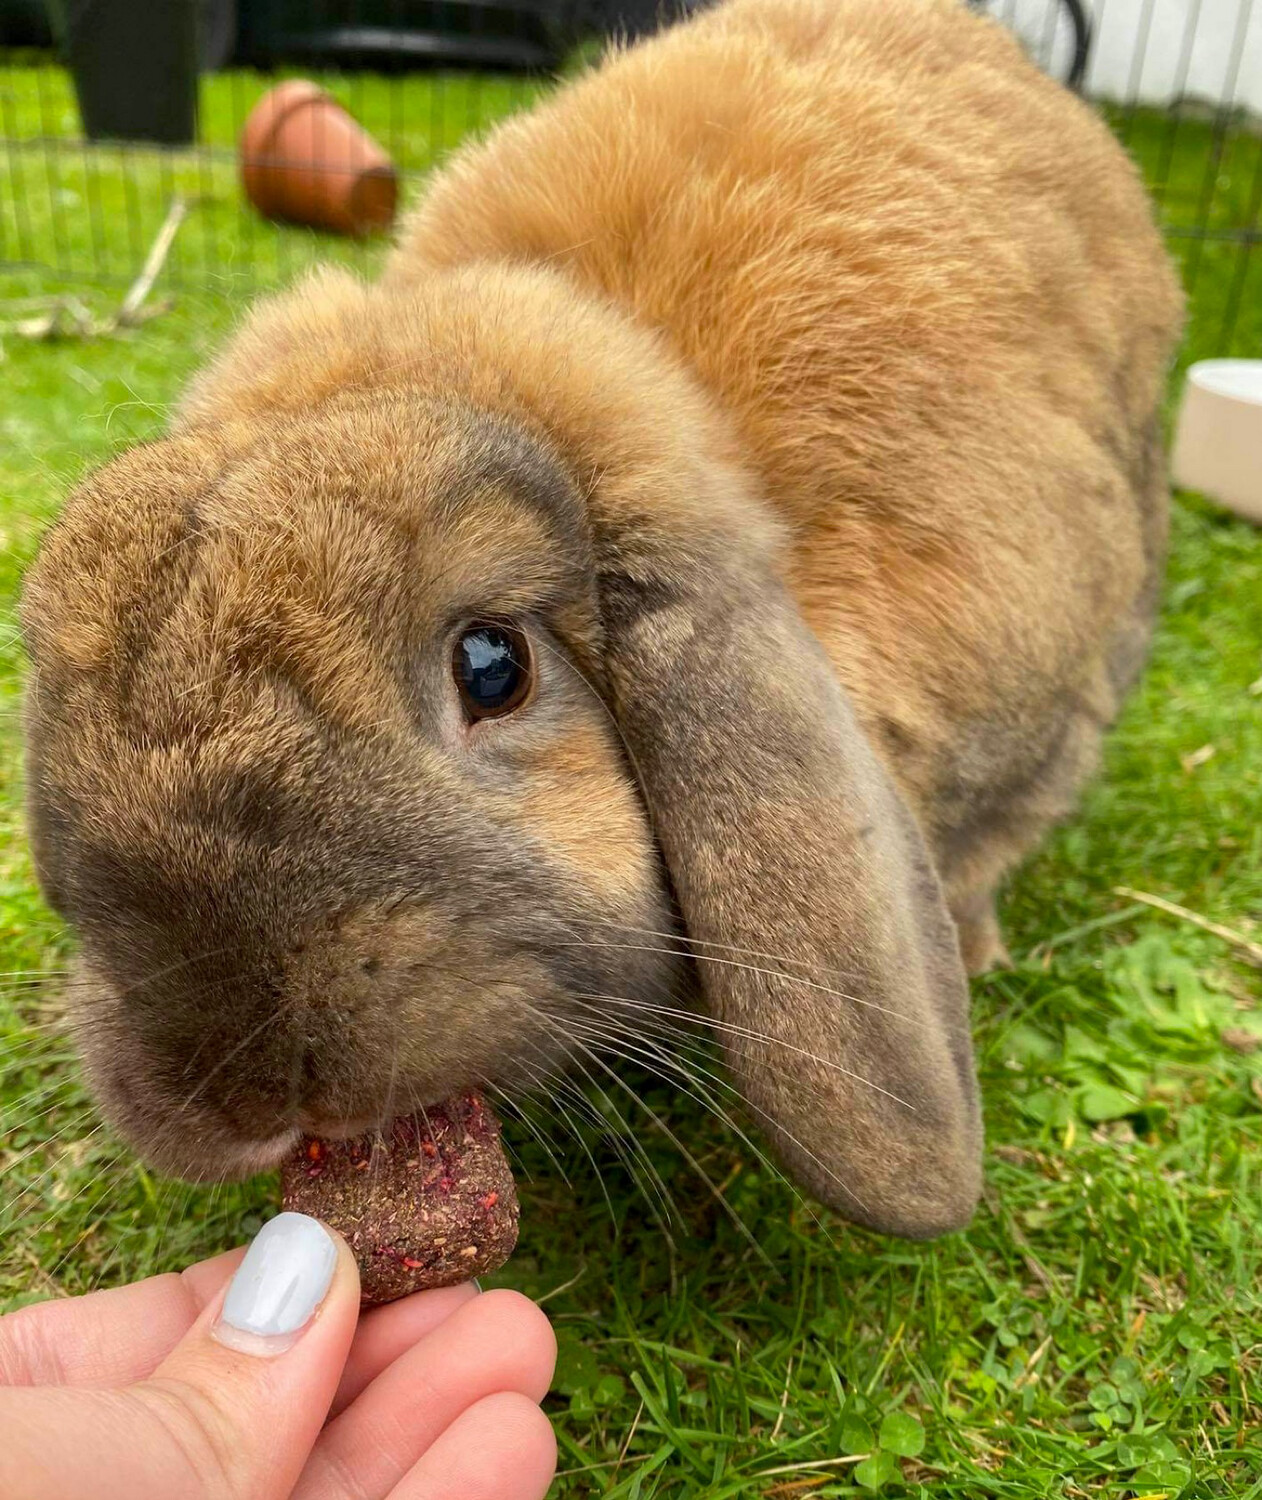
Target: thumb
(240,1401)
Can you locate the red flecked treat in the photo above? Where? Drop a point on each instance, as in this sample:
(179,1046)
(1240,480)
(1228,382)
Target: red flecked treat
(428,1202)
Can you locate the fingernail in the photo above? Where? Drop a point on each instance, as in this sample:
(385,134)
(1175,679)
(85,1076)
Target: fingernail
(284,1277)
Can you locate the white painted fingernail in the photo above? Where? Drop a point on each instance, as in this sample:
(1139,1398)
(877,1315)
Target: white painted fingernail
(284,1277)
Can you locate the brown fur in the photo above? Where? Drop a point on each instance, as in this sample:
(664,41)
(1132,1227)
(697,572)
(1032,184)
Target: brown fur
(926,286)
(796,375)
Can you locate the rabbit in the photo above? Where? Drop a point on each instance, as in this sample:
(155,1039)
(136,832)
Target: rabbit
(692,576)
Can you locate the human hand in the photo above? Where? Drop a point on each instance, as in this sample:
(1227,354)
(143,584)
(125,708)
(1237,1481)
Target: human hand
(186,1388)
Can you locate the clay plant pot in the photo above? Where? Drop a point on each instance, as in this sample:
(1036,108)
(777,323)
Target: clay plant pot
(306,161)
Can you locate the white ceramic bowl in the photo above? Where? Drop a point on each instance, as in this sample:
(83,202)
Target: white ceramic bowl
(1218,439)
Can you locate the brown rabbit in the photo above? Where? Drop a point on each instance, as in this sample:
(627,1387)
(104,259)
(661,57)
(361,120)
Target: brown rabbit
(741,498)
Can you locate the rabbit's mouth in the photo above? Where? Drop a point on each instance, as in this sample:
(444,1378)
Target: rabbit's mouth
(338,1128)
(197,1143)
(221,1108)
(212,1047)
(246,1158)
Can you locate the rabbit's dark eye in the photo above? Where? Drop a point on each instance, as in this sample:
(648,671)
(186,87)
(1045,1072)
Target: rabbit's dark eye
(492,667)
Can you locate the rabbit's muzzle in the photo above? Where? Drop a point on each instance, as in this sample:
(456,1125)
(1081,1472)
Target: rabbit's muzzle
(321,966)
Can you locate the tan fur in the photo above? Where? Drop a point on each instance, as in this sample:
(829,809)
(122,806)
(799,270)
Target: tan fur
(593,826)
(810,323)
(926,287)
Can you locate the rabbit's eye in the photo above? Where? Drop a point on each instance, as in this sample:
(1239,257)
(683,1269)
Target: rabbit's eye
(492,668)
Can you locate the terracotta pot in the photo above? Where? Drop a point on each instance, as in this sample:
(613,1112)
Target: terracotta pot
(305,160)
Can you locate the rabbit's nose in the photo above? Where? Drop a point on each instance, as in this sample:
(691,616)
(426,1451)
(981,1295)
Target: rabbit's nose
(341,962)
(300,1083)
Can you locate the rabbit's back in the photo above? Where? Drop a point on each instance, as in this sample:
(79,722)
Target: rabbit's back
(924,282)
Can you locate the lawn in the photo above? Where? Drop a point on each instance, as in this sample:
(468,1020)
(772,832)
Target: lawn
(1098,1329)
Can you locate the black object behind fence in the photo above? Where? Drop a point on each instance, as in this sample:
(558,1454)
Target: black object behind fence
(143,103)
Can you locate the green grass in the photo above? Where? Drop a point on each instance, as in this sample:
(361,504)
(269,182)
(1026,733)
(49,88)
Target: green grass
(92,211)
(1097,1331)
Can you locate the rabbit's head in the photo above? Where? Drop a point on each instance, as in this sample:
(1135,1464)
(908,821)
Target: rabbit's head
(388,718)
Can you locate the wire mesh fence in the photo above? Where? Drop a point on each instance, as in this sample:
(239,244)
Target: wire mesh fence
(83,197)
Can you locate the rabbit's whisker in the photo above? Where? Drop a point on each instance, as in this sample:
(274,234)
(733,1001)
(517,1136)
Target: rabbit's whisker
(506,1105)
(569,1105)
(30,1236)
(746,1033)
(617,1134)
(660,1124)
(168,970)
(701,1018)
(710,958)
(173,1198)
(84,1113)
(670,1210)
(12,1107)
(236,1051)
(45,1048)
(29,1187)
(25,995)
(557,1080)
(688,1069)
(386,1121)
(692,943)
(625,1145)
(561,1113)
(635,1048)
(543,1078)
(557,1086)
(60,1083)
(632,1045)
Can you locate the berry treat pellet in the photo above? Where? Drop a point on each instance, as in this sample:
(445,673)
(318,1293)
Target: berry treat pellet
(428,1201)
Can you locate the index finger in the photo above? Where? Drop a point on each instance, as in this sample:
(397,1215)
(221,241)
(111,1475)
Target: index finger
(386,1333)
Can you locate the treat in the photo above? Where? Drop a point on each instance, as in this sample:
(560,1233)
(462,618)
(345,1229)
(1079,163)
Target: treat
(428,1201)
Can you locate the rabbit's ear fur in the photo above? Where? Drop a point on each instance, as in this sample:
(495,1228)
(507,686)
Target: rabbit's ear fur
(823,945)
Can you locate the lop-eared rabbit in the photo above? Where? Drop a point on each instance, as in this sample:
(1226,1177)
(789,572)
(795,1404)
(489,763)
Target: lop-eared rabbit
(725,530)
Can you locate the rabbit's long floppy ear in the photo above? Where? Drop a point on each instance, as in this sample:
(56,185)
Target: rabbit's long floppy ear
(825,950)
